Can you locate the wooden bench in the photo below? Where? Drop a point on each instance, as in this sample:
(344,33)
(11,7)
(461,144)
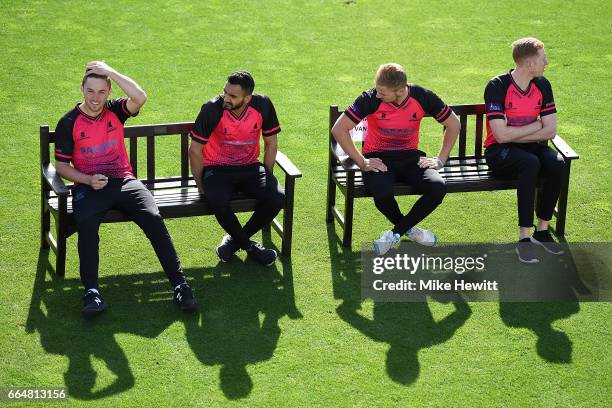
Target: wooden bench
(175,196)
(463,173)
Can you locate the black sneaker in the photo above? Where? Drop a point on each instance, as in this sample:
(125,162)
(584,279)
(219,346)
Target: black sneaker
(183,297)
(547,242)
(260,254)
(93,304)
(526,251)
(227,248)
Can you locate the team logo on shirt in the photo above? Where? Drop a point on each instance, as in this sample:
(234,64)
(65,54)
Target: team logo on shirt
(82,135)
(255,128)
(102,148)
(494,107)
(414,117)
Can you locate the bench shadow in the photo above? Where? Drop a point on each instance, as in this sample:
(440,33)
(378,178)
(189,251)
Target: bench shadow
(238,325)
(552,345)
(225,331)
(562,286)
(407,327)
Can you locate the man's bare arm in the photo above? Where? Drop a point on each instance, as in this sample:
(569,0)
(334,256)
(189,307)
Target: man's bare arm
(196,162)
(341,132)
(136,96)
(65,170)
(270,149)
(517,134)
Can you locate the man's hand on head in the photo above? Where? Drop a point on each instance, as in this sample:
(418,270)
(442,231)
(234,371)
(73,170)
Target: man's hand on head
(99,68)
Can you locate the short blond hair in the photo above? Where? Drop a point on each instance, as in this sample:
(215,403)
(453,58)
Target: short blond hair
(391,76)
(525,48)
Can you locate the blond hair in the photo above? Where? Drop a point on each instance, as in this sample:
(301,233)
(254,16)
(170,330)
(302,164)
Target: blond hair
(391,76)
(525,48)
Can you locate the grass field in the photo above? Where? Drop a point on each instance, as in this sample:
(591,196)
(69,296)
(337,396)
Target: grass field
(264,340)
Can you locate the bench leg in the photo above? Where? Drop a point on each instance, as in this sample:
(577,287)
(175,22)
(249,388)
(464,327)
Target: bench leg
(562,204)
(45,221)
(349,203)
(62,236)
(288,216)
(331,195)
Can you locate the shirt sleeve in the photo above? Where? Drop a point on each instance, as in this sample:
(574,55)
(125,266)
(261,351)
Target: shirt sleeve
(206,122)
(64,144)
(494,97)
(365,104)
(270,125)
(548,100)
(434,106)
(119,108)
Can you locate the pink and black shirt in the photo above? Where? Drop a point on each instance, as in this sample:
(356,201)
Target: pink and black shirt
(394,127)
(95,145)
(231,140)
(504,99)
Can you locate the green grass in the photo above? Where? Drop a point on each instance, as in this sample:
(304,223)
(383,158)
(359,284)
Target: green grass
(261,340)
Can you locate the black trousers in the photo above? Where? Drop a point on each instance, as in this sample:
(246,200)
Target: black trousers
(132,197)
(527,162)
(255,181)
(402,166)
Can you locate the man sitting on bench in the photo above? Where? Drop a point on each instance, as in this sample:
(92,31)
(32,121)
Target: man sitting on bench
(224,157)
(520,113)
(91,137)
(394,110)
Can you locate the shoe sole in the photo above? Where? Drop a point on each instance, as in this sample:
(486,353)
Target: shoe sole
(219,256)
(427,244)
(535,241)
(532,261)
(189,308)
(91,313)
(377,250)
(268,264)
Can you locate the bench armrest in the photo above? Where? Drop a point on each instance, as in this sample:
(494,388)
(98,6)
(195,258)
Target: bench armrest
(346,162)
(287,166)
(54,181)
(562,147)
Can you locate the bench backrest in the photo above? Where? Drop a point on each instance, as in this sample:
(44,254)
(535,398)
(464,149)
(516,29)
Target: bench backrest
(134,133)
(464,112)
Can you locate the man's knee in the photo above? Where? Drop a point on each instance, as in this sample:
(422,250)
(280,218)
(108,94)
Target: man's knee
(437,189)
(88,225)
(277,200)
(555,165)
(384,200)
(217,202)
(529,164)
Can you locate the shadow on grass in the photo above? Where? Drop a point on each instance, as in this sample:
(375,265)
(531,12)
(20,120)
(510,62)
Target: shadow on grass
(552,345)
(226,331)
(407,327)
(240,305)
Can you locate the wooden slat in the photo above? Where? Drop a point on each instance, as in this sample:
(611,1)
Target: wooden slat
(462,135)
(150,158)
(134,155)
(184,156)
(478,136)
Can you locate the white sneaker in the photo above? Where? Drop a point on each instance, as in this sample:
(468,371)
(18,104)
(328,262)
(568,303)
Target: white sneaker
(386,241)
(422,236)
